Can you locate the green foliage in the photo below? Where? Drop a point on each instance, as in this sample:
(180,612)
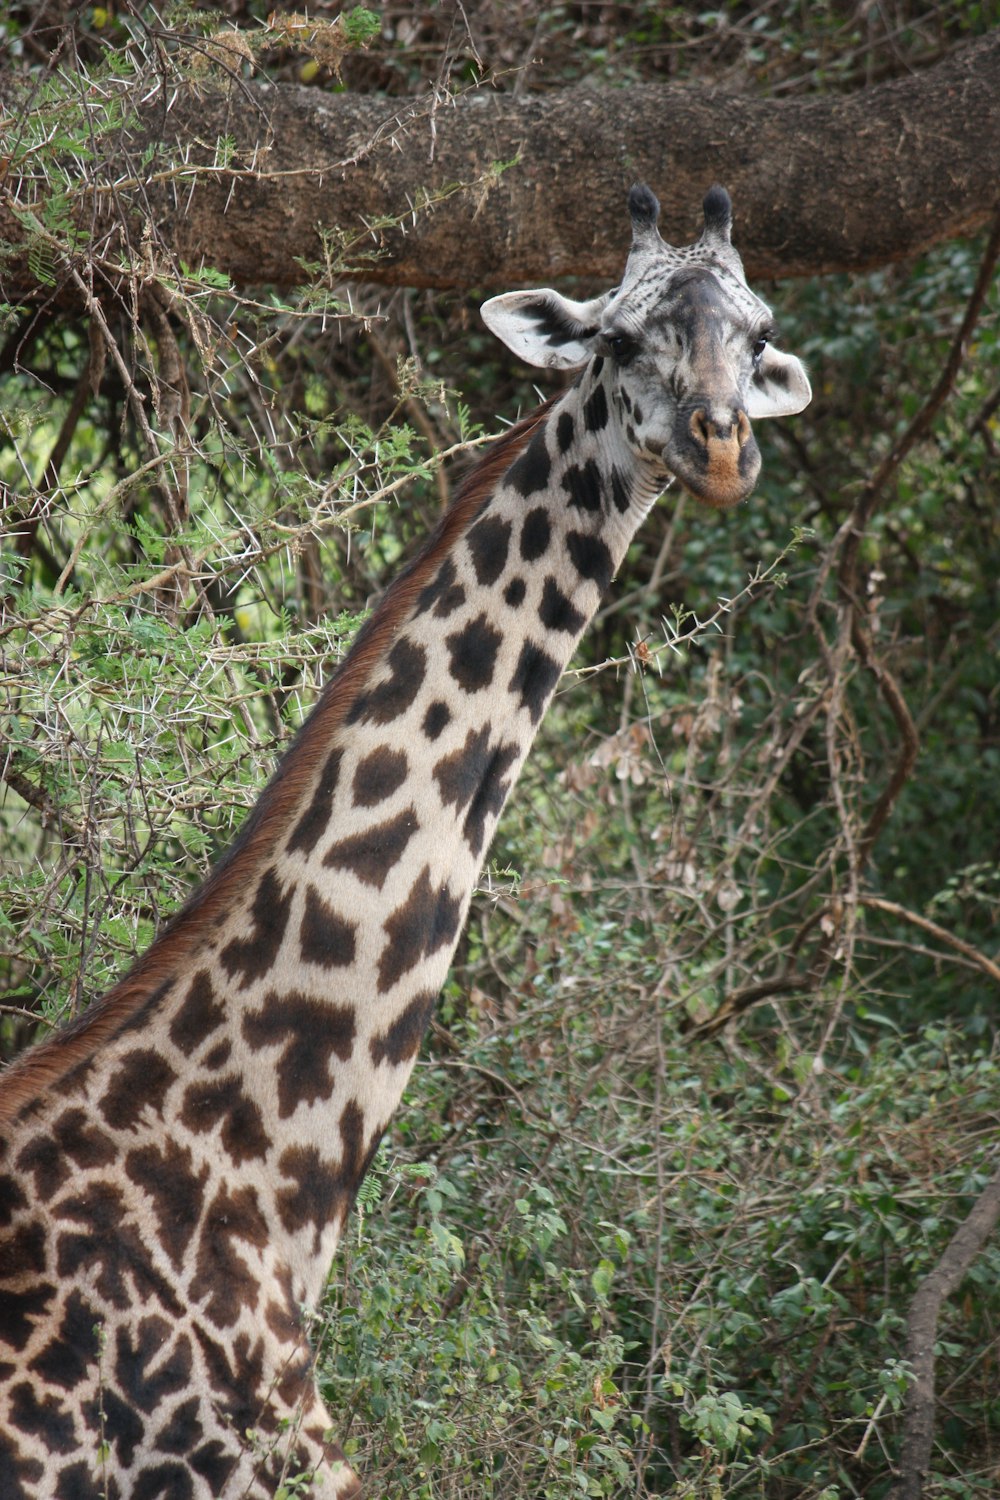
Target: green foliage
(606,1249)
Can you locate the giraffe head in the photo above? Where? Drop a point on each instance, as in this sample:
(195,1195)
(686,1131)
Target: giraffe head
(683,348)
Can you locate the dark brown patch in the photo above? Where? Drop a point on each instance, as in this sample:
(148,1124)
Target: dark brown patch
(371,855)
(253,957)
(590,557)
(491,794)
(67,1357)
(326,938)
(76,1482)
(401,1040)
(44,1417)
(183,1430)
(82,1141)
(235,1371)
(198,1016)
(19,1312)
(595,410)
(42,1159)
(473,651)
(107,1251)
(119,1426)
(536,534)
(379,775)
(213,1101)
(24,1253)
(473,777)
(514,593)
(557,611)
(407,663)
(534,679)
(142,1387)
(317,1192)
(12,1199)
(217,1057)
(323,1188)
(582,483)
(223,1284)
(459,773)
(426,921)
(444,593)
(489,543)
(166,1173)
(531,471)
(310,1033)
(620,491)
(314,821)
(437,718)
(213,1463)
(141,1082)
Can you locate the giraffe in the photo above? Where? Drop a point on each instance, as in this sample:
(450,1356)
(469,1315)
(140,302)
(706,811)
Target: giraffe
(177,1164)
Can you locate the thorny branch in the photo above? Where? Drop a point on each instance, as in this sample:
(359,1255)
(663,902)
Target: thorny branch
(849,572)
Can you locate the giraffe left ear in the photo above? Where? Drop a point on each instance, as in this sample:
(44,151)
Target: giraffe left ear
(779,387)
(544,328)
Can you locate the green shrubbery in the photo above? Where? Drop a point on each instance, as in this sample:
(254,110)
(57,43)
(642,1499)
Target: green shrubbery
(611,1247)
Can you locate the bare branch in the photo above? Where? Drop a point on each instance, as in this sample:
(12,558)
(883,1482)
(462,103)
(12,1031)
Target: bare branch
(918,1422)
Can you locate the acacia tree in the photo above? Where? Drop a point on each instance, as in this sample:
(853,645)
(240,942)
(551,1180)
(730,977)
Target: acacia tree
(728,988)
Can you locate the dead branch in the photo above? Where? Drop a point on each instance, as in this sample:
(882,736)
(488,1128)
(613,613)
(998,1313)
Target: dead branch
(918,1421)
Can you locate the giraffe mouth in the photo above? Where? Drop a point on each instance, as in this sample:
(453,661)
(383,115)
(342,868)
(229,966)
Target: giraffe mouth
(717,461)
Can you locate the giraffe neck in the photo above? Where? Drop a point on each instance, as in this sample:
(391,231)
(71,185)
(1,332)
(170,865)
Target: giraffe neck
(250,1063)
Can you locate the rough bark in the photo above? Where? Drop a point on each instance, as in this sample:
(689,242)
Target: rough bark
(918,1422)
(824,183)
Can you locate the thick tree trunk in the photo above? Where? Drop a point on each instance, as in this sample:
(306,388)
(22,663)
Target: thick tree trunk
(819,184)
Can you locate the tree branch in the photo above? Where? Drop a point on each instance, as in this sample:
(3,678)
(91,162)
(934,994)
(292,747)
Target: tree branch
(244,176)
(918,1422)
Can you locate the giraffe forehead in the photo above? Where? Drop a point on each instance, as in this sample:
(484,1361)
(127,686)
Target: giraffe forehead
(682,291)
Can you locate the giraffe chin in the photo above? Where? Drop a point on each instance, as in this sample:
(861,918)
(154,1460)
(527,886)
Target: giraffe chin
(719,492)
(717,473)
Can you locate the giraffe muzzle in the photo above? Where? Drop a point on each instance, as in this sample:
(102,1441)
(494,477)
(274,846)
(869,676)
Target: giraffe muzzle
(718,459)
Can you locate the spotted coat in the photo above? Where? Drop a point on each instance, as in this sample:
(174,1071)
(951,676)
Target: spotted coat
(177,1167)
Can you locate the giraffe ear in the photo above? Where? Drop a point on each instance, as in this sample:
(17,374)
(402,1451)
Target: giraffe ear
(544,328)
(780,386)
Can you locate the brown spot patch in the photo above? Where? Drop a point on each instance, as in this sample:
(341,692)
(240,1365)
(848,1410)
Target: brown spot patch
(401,1040)
(371,855)
(166,1173)
(314,821)
(253,957)
(326,938)
(426,921)
(379,775)
(198,1015)
(141,1082)
(224,1284)
(309,1033)
(212,1101)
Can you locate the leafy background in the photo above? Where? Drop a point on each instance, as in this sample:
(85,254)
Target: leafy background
(715,1077)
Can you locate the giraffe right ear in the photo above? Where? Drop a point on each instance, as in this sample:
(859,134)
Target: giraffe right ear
(544,328)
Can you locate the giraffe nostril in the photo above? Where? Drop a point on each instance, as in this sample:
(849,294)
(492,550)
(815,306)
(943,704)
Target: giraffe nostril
(701,428)
(742,428)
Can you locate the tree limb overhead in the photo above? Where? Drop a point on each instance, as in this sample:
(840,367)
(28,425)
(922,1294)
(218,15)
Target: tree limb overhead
(822,183)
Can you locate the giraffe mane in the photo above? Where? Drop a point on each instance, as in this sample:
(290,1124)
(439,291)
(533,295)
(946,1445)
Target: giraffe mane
(153,973)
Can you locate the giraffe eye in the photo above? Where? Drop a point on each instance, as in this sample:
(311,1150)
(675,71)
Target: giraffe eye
(760,344)
(621,346)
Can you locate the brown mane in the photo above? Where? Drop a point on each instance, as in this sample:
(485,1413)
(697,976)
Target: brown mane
(153,973)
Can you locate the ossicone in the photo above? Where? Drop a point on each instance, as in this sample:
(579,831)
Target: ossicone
(643,206)
(718,210)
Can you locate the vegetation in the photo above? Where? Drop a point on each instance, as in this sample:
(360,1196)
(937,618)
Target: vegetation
(715,1079)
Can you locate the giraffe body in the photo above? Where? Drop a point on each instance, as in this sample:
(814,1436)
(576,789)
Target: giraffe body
(177,1167)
